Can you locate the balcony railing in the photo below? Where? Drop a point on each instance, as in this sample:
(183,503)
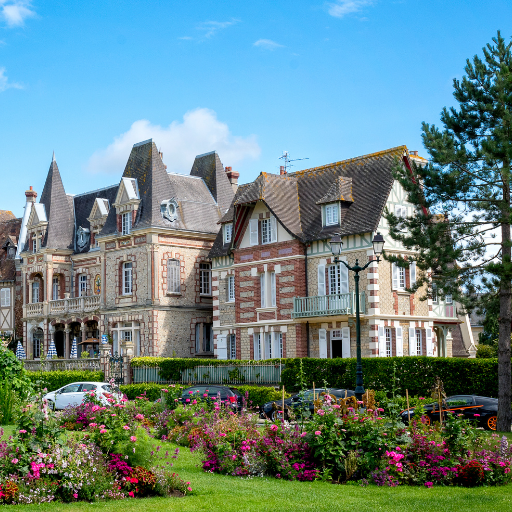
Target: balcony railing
(55,307)
(62,364)
(327,305)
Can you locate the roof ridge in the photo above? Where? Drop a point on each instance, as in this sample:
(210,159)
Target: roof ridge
(349,160)
(94,191)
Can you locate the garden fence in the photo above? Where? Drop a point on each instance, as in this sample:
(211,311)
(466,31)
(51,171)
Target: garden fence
(268,374)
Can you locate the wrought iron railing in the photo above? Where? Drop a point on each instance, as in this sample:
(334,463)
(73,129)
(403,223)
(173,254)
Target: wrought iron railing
(215,374)
(326,305)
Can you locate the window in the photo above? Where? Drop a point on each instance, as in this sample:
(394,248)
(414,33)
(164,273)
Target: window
(418,343)
(127,278)
(389,344)
(448,298)
(127,335)
(37,340)
(204,338)
(228,233)
(173,276)
(11,252)
(205,279)
(338,279)
(232,346)
(82,285)
(5,297)
(231,288)
(257,345)
(434,293)
(55,288)
(398,276)
(35,292)
(273,345)
(268,289)
(126,223)
(34,244)
(332,214)
(401,213)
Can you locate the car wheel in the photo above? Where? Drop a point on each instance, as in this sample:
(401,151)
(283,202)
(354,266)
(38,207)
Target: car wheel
(51,405)
(427,420)
(276,416)
(491,423)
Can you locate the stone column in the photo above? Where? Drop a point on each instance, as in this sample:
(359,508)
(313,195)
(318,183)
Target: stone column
(67,343)
(449,343)
(30,281)
(105,351)
(83,329)
(128,351)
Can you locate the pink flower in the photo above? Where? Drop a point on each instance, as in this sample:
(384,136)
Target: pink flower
(14,461)
(103,431)
(126,427)
(477,415)
(360,402)
(321,412)
(133,439)
(139,417)
(336,406)
(92,425)
(165,390)
(131,494)
(113,415)
(428,484)
(75,495)
(222,434)
(380,409)
(190,392)
(303,434)
(189,488)
(102,426)
(194,402)
(22,431)
(318,433)
(274,427)
(187,400)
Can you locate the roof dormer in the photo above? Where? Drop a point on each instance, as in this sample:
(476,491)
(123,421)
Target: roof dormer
(126,205)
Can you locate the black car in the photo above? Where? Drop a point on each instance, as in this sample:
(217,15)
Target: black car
(480,409)
(269,411)
(211,393)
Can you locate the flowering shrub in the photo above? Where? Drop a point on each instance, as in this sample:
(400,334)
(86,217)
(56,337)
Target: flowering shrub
(471,474)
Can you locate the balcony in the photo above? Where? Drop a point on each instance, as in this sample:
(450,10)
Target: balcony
(63,306)
(343,304)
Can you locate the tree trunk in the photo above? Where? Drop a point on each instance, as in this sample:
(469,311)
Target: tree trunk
(505,318)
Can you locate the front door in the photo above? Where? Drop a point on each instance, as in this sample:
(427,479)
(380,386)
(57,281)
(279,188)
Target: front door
(59,343)
(336,344)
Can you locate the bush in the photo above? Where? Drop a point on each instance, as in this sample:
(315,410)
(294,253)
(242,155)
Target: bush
(258,395)
(417,374)
(152,390)
(56,379)
(486,351)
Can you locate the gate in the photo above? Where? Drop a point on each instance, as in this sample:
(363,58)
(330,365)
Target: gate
(116,369)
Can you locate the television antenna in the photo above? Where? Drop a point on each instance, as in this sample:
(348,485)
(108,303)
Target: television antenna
(286,157)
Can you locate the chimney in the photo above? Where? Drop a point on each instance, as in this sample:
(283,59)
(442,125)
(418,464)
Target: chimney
(282,170)
(31,195)
(233,178)
(413,153)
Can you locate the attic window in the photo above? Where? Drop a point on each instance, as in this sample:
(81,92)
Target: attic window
(228,232)
(11,252)
(169,210)
(331,214)
(82,237)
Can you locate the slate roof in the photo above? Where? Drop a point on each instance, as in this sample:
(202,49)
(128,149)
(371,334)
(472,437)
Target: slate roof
(83,204)
(9,230)
(296,198)
(59,211)
(6,215)
(209,167)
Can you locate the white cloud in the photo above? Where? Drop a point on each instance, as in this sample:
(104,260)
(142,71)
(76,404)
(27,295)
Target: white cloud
(210,28)
(342,7)
(200,132)
(5,84)
(14,12)
(267,44)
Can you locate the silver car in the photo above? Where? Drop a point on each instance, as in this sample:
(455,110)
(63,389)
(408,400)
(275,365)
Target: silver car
(74,394)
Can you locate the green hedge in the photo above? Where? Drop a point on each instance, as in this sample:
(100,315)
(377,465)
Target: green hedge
(171,368)
(56,379)
(152,390)
(417,374)
(259,395)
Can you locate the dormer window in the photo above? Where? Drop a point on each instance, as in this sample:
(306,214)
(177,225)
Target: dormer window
(228,233)
(169,210)
(82,237)
(332,214)
(34,244)
(263,231)
(126,223)
(11,252)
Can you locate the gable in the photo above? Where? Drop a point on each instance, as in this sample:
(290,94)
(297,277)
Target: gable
(37,215)
(100,209)
(128,191)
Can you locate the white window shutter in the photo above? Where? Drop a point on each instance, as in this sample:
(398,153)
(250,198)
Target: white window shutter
(273,229)
(273,288)
(321,280)
(253,228)
(322,343)
(263,289)
(394,272)
(345,342)
(222,349)
(412,273)
(382,342)
(399,341)
(275,344)
(7,296)
(343,270)
(428,339)
(412,341)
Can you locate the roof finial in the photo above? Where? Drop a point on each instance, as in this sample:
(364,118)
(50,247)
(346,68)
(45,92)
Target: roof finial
(53,157)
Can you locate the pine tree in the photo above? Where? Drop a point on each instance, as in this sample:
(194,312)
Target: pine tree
(462,227)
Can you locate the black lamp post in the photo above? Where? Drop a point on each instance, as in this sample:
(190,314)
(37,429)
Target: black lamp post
(378,245)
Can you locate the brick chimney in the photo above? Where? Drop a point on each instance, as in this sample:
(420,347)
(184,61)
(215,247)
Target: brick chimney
(413,153)
(282,170)
(31,195)
(233,178)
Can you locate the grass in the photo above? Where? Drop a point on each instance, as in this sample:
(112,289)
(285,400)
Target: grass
(229,494)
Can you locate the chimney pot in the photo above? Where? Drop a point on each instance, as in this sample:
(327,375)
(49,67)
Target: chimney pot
(31,195)
(282,170)
(413,153)
(233,178)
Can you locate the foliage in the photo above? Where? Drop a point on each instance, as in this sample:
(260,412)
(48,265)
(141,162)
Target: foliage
(7,402)
(415,373)
(486,352)
(150,390)
(56,379)
(13,371)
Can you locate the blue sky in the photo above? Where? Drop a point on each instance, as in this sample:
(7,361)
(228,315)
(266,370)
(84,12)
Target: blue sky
(325,80)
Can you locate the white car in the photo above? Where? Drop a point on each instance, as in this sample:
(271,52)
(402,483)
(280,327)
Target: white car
(74,394)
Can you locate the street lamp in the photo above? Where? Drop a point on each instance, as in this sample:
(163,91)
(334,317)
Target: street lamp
(336,246)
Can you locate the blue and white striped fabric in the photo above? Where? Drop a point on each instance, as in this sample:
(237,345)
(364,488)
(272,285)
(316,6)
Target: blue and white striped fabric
(74,353)
(20,351)
(52,351)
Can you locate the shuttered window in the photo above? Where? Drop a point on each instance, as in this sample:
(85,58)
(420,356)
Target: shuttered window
(173,276)
(5,297)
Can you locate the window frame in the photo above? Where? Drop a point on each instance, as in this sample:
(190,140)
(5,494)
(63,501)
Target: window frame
(418,341)
(35,286)
(389,341)
(127,275)
(55,288)
(173,276)
(34,244)
(126,223)
(82,285)
(231,346)
(228,233)
(205,278)
(231,288)
(334,208)
(5,297)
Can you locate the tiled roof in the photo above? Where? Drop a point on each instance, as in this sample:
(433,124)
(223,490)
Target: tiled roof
(9,230)
(59,212)
(6,215)
(362,184)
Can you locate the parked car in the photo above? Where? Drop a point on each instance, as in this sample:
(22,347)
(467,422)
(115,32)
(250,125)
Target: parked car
(294,402)
(480,409)
(212,392)
(74,394)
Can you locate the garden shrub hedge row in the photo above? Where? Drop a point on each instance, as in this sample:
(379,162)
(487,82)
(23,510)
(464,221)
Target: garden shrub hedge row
(56,379)
(258,395)
(417,374)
